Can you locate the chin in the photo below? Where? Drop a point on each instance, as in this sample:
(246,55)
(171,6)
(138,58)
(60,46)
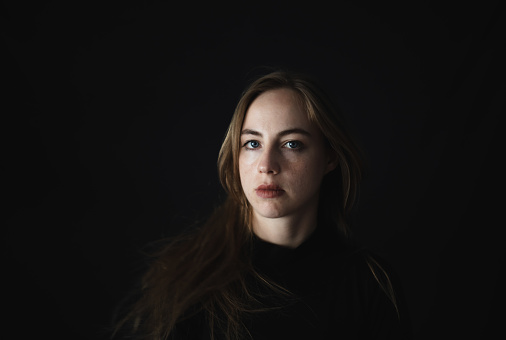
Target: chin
(270,212)
(271,215)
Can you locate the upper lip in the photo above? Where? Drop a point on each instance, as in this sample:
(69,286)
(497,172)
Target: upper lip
(270,187)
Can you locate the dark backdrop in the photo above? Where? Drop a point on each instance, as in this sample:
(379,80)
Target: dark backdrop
(113,117)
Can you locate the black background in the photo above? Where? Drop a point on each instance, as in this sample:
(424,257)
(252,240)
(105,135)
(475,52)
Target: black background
(113,116)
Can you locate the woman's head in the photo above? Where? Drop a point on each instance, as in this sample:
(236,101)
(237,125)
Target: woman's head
(306,106)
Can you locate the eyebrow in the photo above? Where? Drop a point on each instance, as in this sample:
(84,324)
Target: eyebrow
(280,134)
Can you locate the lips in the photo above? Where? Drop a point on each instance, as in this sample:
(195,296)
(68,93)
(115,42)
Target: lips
(269,191)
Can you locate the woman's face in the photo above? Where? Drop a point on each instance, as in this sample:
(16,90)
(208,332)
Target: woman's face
(283,157)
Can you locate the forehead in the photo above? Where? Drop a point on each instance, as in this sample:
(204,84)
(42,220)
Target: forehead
(277,109)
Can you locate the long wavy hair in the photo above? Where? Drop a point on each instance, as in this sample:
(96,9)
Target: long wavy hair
(208,270)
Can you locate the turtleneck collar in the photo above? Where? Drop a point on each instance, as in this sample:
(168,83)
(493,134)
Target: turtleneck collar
(275,260)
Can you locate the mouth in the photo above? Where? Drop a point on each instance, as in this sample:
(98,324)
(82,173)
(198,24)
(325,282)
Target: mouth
(269,191)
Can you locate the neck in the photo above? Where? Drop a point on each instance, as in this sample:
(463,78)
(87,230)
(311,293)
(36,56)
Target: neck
(288,231)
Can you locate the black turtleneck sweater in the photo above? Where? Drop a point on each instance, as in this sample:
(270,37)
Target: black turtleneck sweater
(335,294)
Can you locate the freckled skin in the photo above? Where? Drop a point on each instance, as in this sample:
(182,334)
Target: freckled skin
(270,158)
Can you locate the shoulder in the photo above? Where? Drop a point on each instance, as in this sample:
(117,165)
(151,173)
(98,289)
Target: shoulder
(363,270)
(371,289)
(369,266)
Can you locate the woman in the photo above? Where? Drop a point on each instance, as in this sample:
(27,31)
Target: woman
(276,260)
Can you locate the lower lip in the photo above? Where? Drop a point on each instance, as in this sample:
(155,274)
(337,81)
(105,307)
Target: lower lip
(269,193)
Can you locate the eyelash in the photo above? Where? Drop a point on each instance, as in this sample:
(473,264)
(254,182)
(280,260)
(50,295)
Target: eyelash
(300,145)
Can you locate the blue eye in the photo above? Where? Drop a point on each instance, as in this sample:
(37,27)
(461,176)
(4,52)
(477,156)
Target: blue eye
(252,144)
(293,144)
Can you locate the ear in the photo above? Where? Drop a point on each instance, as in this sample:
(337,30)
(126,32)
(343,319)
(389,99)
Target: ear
(332,161)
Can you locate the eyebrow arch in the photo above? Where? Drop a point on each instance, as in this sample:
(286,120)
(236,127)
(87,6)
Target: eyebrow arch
(280,134)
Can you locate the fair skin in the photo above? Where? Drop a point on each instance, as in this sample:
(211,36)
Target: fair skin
(282,162)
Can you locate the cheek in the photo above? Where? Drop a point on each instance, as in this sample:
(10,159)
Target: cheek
(245,166)
(308,173)
(247,158)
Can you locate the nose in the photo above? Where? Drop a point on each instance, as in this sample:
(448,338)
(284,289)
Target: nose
(269,162)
